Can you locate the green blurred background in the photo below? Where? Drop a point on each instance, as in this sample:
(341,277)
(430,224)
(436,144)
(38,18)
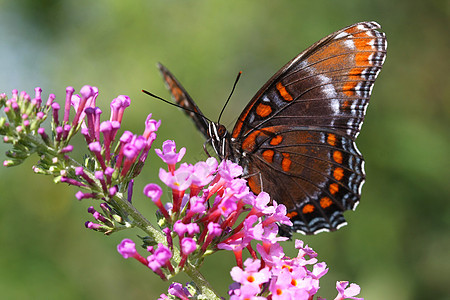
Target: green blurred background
(397,243)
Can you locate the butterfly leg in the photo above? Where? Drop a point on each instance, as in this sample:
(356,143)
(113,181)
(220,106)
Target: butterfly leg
(204,147)
(261,182)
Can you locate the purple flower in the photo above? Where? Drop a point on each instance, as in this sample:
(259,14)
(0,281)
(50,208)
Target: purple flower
(127,248)
(151,126)
(69,93)
(80,195)
(197,206)
(192,228)
(214,229)
(176,289)
(305,251)
(87,99)
(160,258)
(118,106)
(55,107)
(169,154)
(188,245)
(154,192)
(162,254)
(180,228)
(270,253)
(227,206)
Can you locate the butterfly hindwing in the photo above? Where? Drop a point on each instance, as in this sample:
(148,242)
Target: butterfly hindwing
(318,173)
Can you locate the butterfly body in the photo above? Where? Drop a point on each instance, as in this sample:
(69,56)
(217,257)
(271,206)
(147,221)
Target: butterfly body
(295,138)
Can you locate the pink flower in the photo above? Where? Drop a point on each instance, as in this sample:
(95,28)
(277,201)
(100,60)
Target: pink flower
(188,245)
(151,126)
(118,106)
(127,248)
(162,254)
(154,192)
(179,180)
(345,292)
(229,170)
(251,277)
(177,290)
(169,154)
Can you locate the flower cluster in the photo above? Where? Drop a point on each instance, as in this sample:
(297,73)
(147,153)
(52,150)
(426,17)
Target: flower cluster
(212,208)
(219,212)
(284,277)
(108,170)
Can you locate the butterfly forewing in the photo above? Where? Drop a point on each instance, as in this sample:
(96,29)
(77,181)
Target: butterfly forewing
(328,85)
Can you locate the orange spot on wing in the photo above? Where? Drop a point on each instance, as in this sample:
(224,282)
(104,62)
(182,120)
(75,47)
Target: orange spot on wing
(334,188)
(263,110)
(337,156)
(286,162)
(268,155)
(352,30)
(331,139)
(276,140)
(237,129)
(362,34)
(308,208)
(338,173)
(349,87)
(363,44)
(345,105)
(356,72)
(325,202)
(283,92)
(291,214)
(362,58)
(254,184)
(177,94)
(249,142)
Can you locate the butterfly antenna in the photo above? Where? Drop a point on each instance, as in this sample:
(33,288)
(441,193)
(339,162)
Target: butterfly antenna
(229,97)
(174,104)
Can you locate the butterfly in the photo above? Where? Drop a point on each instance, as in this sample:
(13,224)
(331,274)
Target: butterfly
(296,138)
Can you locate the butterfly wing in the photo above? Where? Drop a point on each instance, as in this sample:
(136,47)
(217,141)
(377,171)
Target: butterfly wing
(296,136)
(183,99)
